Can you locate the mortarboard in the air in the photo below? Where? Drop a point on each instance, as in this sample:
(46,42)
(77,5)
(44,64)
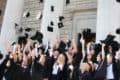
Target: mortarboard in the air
(114,45)
(21,30)
(28,29)
(118,31)
(22,40)
(41,1)
(118,0)
(39,15)
(13,43)
(51,23)
(38,36)
(67,2)
(52,8)
(60,25)
(61,18)
(50,29)
(26,14)
(109,39)
(16,24)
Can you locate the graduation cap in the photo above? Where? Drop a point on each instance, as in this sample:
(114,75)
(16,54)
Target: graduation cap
(41,1)
(16,24)
(22,40)
(109,39)
(86,33)
(38,36)
(13,43)
(52,8)
(60,25)
(39,16)
(62,47)
(51,23)
(50,29)
(118,0)
(21,29)
(26,14)
(87,30)
(28,29)
(118,31)
(61,18)
(115,46)
(67,2)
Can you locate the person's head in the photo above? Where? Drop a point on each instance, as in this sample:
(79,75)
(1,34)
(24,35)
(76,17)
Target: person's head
(89,57)
(99,57)
(61,59)
(56,53)
(42,59)
(109,58)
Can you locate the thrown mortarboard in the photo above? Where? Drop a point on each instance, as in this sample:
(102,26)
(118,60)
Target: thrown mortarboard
(51,23)
(118,0)
(13,43)
(115,46)
(60,25)
(16,25)
(26,14)
(21,29)
(28,29)
(22,40)
(67,2)
(52,8)
(118,31)
(61,18)
(39,15)
(38,36)
(41,1)
(108,39)
(50,29)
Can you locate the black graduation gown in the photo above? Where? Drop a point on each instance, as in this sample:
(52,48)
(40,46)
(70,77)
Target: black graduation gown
(39,71)
(26,73)
(100,73)
(3,66)
(62,74)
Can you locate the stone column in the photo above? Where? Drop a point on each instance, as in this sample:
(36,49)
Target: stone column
(49,16)
(108,19)
(13,13)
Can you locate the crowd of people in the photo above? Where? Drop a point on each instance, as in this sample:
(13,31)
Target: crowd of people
(66,60)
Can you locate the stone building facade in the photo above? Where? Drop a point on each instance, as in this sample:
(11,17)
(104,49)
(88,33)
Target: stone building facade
(78,14)
(2,10)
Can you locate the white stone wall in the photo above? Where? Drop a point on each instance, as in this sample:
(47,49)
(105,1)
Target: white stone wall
(77,13)
(34,7)
(72,12)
